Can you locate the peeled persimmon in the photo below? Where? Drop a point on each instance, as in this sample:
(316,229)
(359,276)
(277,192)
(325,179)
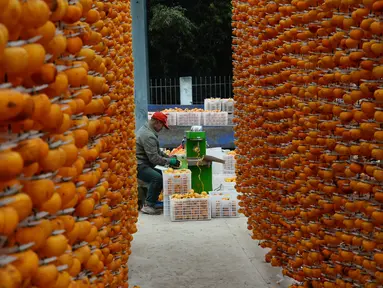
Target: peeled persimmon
(34,234)
(74,13)
(53,120)
(59,9)
(72,203)
(22,203)
(83,254)
(77,76)
(10,276)
(378,258)
(11,164)
(71,152)
(32,150)
(81,137)
(15,60)
(42,106)
(85,207)
(36,56)
(52,205)
(9,219)
(85,95)
(46,275)
(69,222)
(85,228)
(26,263)
(75,269)
(11,13)
(54,160)
(11,104)
(40,191)
(57,45)
(66,122)
(34,13)
(4,36)
(63,280)
(54,246)
(88,54)
(46,31)
(67,191)
(74,45)
(46,74)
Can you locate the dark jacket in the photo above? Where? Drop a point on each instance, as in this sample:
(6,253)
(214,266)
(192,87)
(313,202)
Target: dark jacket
(148,151)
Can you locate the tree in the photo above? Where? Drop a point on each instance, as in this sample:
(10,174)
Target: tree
(190,37)
(170,34)
(214,33)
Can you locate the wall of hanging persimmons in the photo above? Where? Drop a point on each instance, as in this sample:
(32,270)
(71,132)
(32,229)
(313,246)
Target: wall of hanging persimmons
(67,149)
(309,113)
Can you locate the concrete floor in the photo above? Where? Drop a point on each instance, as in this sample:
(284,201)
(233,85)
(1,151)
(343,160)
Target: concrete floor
(212,254)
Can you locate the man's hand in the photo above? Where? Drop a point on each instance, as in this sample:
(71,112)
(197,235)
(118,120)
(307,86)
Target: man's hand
(174,162)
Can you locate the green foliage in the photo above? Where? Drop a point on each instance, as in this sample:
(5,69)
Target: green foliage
(190,37)
(170,33)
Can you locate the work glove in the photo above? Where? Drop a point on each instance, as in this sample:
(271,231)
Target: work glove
(174,162)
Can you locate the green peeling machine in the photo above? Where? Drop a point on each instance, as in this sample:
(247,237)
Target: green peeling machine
(198,162)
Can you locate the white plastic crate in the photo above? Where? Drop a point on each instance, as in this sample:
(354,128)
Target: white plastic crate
(176,182)
(228,105)
(218,180)
(189,118)
(224,204)
(229,166)
(211,104)
(215,118)
(229,186)
(166,205)
(192,209)
(219,183)
(172,118)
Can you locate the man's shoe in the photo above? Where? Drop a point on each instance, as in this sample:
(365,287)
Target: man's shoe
(150,210)
(159,205)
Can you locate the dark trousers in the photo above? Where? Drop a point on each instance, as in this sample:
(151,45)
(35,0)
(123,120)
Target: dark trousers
(154,178)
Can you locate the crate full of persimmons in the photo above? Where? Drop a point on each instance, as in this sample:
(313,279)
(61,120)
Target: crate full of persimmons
(176,181)
(190,207)
(224,204)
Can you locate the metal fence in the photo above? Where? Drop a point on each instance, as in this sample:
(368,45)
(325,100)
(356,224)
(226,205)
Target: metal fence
(167,90)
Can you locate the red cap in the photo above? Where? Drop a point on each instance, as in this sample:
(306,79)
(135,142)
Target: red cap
(161,117)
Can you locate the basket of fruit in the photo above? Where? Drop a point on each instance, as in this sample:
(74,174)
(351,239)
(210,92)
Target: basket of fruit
(229,183)
(175,181)
(224,204)
(190,207)
(230,162)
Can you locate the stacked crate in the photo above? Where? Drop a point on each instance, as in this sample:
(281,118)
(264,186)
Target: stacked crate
(212,104)
(172,118)
(215,118)
(190,207)
(227,105)
(189,118)
(224,204)
(175,182)
(230,162)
